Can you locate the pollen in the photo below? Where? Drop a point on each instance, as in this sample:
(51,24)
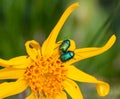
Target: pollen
(45,76)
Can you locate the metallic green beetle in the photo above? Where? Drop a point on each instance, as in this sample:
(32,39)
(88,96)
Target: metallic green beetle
(64,46)
(67,56)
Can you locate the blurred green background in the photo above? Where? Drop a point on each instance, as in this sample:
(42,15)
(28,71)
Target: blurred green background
(89,25)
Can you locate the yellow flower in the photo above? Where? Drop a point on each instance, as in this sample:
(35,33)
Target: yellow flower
(43,71)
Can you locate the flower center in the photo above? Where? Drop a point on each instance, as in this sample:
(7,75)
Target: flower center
(45,76)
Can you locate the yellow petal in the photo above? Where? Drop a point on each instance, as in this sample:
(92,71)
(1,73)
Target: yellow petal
(61,95)
(78,75)
(49,44)
(72,45)
(84,53)
(20,62)
(102,88)
(10,73)
(31,96)
(33,49)
(72,89)
(12,88)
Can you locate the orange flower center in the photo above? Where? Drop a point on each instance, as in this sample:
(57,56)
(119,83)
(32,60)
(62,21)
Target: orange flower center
(45,76)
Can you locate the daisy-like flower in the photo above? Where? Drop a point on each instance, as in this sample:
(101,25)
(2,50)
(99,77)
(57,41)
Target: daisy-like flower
(43,72)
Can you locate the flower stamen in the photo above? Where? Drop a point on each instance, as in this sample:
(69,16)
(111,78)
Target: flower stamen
(45,76)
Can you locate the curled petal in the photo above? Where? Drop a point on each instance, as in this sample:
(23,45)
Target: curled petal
(72,89)
(49,44)
(78,75)
(102,88)
(11,73)
(18,62)
(84,53)
(12,88)
(33,49)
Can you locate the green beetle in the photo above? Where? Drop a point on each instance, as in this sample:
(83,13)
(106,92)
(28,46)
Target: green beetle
(65,45)
(67,56)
